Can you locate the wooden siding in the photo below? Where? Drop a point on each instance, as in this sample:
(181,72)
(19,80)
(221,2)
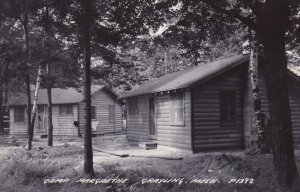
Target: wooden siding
(6,118)
(208,133)
(17,128)
(263,96)
(178,136)
(64,125)
(20,128)
(294,92)
(102,100)
(61,125)
(138,124)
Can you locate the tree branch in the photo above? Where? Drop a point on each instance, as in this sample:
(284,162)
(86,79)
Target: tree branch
(232,13)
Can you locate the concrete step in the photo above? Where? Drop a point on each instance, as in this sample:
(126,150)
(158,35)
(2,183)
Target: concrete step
(148,145)
(40,136)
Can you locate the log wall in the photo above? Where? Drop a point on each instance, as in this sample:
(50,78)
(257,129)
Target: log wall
(102,100)
(294,92)
(62,125)
(208,131)
(178,136)
(138,124)
(17,128)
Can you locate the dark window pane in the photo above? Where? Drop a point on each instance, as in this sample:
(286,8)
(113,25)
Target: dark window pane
(93,112)
(227,106)
(69,109)
(66,110)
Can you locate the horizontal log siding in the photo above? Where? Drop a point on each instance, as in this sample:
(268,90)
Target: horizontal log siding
(19,128)
(102,100)
(64,125)
(178,136)
(263,96)
(138,124)
(295,111)
(294,92)
(208,134)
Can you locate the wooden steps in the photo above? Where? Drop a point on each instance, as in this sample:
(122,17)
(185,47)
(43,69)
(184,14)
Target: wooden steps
(40,136)
(148,145)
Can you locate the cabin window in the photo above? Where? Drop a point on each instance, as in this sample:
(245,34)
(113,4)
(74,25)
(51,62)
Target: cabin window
(177,108)
(111,113)
(227,107)
(66,110)
(19,114)
(93,112)
(133,107)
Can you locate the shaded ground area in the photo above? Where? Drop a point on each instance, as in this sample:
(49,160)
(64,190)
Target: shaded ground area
(145,170)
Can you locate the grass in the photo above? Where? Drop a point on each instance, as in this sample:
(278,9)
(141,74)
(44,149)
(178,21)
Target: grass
(23,171)
(26,171)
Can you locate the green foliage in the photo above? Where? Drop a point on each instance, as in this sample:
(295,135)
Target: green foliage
(21,169)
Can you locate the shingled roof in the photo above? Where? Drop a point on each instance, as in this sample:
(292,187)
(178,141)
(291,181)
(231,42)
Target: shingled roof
(187,77)
(59,96)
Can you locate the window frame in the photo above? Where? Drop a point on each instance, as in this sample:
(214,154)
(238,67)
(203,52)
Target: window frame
(231,97)
(173,122)
(17,120)
(63,110)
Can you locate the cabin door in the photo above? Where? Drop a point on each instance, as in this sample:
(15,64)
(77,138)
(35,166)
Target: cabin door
(152,129)
(42,118)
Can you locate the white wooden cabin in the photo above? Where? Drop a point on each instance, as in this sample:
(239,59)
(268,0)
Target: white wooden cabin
(68,108)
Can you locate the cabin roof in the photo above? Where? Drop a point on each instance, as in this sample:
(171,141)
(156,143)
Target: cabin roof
(59,96)
(187,77)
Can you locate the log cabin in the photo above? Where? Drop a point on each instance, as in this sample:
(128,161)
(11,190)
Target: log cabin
(203,108)
(68,108)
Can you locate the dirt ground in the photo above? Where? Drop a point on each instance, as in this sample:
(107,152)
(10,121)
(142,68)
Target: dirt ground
(244,172)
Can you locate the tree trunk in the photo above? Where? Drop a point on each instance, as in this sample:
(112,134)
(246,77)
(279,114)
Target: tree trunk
(272,22)
(49,84)
(50,124)
(165,62)
(27,82)
(1,103)
(5,100)
(259,118)
(280,114)
(29,131)
(88,151)
(35,100)
(195,58)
